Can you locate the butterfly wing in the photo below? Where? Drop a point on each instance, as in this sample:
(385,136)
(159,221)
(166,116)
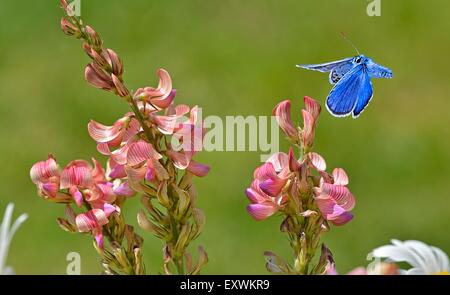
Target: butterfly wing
(339,71)
(326,67)
(352,93)
(365,94)
(378,71)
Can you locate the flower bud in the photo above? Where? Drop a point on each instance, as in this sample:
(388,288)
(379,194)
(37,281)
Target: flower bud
(183,238)
(66,225)
(115,62)
(202,260)
(282,113)
(147,225)
(121,89)
(199,219)
(183,203)
(98,78)
(163,198)
(308,129)
(69,29)
(94,37)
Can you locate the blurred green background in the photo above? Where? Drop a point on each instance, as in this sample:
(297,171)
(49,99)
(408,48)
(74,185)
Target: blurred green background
(235,58)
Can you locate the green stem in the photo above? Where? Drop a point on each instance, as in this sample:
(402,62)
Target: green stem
(177,257)
(140,118)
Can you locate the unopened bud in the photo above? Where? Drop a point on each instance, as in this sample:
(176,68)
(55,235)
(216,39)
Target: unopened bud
(163,198)
(65,225)
(115,62)
(98,78)
(183,238)
(122,91)
(94,37)
(147,225)
(199,219)
(69,29)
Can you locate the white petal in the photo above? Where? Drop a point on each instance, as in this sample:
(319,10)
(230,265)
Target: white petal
(415,271)
(428,259)
(396,254)
(442,258)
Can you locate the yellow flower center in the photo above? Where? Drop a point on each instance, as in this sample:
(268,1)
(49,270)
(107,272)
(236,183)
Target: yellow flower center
(445,273)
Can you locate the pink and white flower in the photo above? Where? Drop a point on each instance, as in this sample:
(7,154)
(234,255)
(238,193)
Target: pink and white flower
(161,96)
(266,191)
(335,200)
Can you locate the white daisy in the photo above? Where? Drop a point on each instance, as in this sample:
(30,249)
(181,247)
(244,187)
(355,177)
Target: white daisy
(424,259)
(6,233)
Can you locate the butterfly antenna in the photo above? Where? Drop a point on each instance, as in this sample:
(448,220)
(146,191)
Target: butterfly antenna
(350,42)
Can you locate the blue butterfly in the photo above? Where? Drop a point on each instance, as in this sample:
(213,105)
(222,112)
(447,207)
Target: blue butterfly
(352,90)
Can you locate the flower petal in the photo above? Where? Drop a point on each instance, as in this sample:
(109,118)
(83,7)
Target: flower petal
(312,106)
(198,169)
(340,194)
(42,171)
(90,220)
(265,171)
(76,173)
(279,160)
(273,186)
(317,161)
(261,211)
(340,177)
(308,128)
(98,173)
(140,152)
(104,133)
(282,113)
(180,160)
(124,189)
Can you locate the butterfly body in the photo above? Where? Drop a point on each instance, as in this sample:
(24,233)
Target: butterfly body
(352,90)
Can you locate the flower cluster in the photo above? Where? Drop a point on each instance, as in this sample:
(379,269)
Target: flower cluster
(150,151)
(84,185)
(301,190)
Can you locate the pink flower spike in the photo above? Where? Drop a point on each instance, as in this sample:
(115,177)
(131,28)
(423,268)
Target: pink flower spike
(340,177)
(317,161)
(312,106)
(282,113)
(198,169)
(140,152)
(90,220)
(261,211)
